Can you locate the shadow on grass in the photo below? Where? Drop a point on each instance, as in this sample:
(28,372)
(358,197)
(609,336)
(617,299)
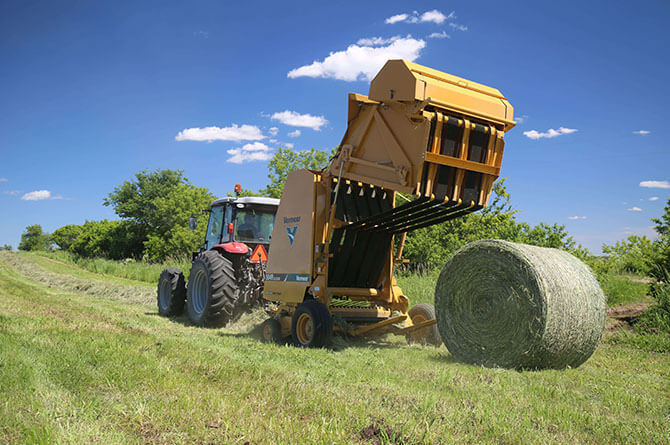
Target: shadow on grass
(442,356)
(338,343)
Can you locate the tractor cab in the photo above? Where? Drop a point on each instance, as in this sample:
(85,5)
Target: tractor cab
(237,225)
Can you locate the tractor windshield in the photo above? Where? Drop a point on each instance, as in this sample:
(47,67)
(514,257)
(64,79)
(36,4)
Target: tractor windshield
(253,224)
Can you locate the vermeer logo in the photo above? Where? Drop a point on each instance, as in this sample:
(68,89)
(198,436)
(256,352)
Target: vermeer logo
(291,231)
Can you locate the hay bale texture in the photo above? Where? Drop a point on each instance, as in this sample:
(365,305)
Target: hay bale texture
(513,305)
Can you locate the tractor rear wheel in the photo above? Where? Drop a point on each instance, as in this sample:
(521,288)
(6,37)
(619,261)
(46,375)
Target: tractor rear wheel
(311,326)
(171,292)
(426,336)
(212,290)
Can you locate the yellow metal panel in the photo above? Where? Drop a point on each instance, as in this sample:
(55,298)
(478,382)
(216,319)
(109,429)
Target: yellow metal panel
(285,291)
(462,163)
(289,266)
(400,80)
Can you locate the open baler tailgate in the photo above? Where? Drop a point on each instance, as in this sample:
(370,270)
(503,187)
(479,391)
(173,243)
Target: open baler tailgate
(425,133)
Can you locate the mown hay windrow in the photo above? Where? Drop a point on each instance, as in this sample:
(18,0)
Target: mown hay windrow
(129,293)
(513,305)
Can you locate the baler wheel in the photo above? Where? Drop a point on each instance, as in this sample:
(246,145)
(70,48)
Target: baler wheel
(271,331)
(311,326)
(171,292)
(428,335)
(212,290)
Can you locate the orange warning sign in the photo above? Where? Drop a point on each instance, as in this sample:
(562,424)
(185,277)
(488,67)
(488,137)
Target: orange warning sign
(259,254)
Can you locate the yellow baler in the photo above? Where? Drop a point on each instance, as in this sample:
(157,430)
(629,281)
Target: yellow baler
(436,139)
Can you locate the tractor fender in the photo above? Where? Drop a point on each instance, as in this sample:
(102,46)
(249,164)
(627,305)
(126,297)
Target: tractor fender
(232,247)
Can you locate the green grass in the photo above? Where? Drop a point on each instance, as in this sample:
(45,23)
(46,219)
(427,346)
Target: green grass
(78,368)
(132,270)
(419,288)
(623,289)
(651,329)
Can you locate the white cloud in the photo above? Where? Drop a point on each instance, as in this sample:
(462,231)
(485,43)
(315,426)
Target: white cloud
(439,35)
(377,41)
(521,119)
(12,192)
(458,27)
(653,198)
(294,119)
(256,151)
(551,133)
(39,195)
(433,16)
(289,145)
(233,133)
(4,180)
(396,18)
(294,134)
(634,209)
(576,217)
(655,184)
(273,141)
(360,62)
(642,132)
(274,131)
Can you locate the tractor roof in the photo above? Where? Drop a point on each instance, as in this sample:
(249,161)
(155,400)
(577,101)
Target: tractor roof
(246,200)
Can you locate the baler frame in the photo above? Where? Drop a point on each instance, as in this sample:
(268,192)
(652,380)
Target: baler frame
(421,132)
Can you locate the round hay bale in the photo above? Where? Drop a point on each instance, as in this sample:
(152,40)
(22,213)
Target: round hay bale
(513,305)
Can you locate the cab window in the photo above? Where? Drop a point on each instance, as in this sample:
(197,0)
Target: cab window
(214,227)
(254,225)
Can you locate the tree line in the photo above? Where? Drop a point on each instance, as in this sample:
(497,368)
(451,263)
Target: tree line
(154,209)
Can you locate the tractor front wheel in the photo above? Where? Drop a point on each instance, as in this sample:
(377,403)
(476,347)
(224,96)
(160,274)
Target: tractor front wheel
(212,290)
(171,293)
(311,326)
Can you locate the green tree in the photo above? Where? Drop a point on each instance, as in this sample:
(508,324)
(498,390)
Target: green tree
(430,247)
(34,238)
(285,161)
(173,236)
(158,205)
(663,224)
(64,236)
(661,262)
(6,247)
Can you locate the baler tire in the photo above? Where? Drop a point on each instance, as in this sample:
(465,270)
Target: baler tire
(171,292)
(311,325)
(212,291)
(271,331)
(426,336)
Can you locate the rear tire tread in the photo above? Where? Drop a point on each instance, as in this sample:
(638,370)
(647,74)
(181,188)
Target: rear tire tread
(223,293)
(177,294)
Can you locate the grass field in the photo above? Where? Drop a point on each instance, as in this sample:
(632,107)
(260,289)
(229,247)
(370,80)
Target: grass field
(85,358)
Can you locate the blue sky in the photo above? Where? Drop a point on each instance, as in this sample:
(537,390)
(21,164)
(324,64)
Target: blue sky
(92,92)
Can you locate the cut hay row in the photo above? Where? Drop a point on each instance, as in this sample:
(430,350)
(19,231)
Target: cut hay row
(98,288)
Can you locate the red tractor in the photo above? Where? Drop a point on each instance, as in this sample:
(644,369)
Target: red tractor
(226,278)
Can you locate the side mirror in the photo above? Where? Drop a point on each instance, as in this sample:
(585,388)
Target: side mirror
(192,223)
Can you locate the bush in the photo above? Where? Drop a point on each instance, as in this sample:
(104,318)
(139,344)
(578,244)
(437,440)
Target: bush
(657,318)
(636,254)
(109,239)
